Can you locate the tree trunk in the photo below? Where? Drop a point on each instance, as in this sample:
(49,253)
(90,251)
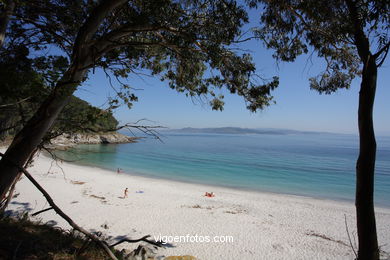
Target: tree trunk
(27,140)
(4,18)
(365,166)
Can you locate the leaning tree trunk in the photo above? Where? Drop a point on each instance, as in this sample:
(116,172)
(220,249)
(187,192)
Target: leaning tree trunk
(27,140)
(365,167)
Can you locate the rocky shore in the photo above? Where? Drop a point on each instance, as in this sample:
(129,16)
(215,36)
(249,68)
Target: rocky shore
(95,138)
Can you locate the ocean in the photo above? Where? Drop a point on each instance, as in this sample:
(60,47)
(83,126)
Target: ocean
(315,165)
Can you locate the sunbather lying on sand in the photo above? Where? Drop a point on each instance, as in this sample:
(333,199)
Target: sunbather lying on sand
(209,194)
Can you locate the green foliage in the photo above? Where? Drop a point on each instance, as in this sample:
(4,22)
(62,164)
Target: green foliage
(79,116)
(184,43)
(26,82)
(328,28)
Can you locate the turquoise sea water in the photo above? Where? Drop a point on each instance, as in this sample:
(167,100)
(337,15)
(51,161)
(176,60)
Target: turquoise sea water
(315,165)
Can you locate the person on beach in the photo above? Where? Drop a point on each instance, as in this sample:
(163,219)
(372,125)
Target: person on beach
(126,192)
(209,194)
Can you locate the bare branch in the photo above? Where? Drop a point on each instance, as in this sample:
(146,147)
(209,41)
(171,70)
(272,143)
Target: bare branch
(384,50)
(9,127)
(146,129)
(4,203)
(41,211)
(93,237)
(13,104)
(155,243)
(349,238)
(245,40)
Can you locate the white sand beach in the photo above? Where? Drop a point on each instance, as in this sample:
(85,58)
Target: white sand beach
(262,225)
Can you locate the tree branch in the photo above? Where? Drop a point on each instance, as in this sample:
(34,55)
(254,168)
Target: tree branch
(155,243)
(9,127)
(246,39)
(41,211)
(119,33)
(307,25)
(4,203)
(91,236)
(385,50)
(48,28)
(361,42)
(93,22)
(13,104)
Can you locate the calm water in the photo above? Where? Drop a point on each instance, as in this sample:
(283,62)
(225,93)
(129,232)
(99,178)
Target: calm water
(316,165)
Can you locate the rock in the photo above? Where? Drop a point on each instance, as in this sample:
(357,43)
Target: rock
(99,138)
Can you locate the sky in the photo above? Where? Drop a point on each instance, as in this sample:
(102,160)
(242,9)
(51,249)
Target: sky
(297,107)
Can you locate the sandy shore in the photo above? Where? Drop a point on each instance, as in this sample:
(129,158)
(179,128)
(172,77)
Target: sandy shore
(262,225)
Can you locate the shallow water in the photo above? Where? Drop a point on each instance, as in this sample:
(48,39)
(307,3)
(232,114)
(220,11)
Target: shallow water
(315,165)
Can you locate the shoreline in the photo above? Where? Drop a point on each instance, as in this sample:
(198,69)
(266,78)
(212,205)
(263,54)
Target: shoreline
(264,225)
(216,187)
(237,188)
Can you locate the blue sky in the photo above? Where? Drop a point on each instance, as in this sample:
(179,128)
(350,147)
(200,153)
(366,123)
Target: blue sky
(297,106)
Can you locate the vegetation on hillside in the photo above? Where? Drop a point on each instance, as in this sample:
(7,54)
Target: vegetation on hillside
(25,83)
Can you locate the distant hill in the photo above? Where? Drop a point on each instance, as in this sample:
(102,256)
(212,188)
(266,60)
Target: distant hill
(239,130)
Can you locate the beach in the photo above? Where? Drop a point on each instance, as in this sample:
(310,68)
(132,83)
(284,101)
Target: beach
(235,224)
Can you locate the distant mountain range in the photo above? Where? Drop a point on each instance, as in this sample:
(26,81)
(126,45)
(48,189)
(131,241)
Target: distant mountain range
(238,130)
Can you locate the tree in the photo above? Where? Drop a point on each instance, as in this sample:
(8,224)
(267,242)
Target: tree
(6,7)
(345,34)
(186,43)
(25,84)
(19,84)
